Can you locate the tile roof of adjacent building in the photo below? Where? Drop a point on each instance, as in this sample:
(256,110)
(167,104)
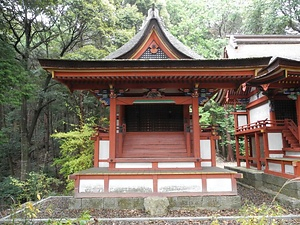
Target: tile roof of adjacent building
(248,46)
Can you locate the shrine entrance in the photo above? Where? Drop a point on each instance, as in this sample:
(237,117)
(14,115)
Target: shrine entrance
(161,122)
(154,118)
(285,109)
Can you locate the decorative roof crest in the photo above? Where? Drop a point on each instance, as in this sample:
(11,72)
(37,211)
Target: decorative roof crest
(152,13)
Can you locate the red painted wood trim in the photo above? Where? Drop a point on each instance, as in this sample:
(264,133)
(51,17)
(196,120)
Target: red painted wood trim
(112,131)
(298,114)
(257,148)
(76,185)
(213,152)
(247,152)
(204,183)
(266,144)
(153,37)
(155,183)
(257,102)
(179,100)
(106,183)
(196,130)
(96,151)
(237,149)
(182,73)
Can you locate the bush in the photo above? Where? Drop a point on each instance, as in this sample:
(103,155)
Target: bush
(37,185)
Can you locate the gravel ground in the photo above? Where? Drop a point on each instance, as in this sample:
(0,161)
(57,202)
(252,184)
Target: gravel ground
(56,208)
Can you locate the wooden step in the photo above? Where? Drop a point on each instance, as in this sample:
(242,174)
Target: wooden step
(154,144)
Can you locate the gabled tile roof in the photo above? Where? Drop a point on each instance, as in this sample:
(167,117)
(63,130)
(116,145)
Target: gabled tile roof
(153,20)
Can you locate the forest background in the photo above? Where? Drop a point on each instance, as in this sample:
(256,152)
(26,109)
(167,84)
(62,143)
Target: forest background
(44,128)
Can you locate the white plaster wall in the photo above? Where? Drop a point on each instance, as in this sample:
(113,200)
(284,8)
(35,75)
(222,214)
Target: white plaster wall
(261,112)
(252,140)
(206,164)
(103,149)
(103,164)
(179,185)
(295,154)
(275,155)
(289,169)
(255,96)
(205,149)
(91,185)
(131,185)
(242,120)
(219,184)
(274,167)
(176,165)
(275,141)
(133,165)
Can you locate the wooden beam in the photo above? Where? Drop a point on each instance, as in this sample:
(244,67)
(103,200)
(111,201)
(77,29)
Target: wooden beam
(180,100)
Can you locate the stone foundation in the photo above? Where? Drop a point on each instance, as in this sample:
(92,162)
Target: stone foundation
(196,202)
(271,184)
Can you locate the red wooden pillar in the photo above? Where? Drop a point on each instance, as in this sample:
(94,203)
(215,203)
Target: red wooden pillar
(196,129)
(96,151)
(237,149)
(247,152)
(186,116)
(257,149)
(298,115)
(112,130)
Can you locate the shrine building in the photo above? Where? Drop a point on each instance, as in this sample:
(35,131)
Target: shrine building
(155,145)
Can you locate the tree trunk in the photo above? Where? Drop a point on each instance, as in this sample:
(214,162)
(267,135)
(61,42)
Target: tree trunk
(229,148)
(24,140)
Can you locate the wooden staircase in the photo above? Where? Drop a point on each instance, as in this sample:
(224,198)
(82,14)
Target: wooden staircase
(291,139)
(154,145)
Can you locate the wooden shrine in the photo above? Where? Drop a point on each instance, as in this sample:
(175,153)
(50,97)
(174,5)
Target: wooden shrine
(269,127)
(155,145)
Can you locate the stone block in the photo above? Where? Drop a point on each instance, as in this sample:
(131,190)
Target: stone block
(92,203)
(75,203)
(130,203)
(179,202)
(156,206)
(110,203)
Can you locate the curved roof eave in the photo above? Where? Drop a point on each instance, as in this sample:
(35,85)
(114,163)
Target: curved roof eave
(138,38)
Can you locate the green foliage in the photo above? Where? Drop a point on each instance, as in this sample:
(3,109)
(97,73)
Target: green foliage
(11,75)
(37,185)
(220,117)
(204,25)
(84,219)
(76,151)
(88,52)
(264,17)
(258,215)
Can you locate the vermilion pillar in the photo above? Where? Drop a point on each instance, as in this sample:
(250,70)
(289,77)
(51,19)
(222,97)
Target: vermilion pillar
(112,130)
(196,129)
(298,115)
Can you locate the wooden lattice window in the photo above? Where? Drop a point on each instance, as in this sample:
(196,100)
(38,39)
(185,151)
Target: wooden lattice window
(148,54)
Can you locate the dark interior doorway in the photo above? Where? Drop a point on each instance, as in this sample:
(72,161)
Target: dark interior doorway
(154,118)
(285,109)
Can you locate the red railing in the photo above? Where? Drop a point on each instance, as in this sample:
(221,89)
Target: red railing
(261,124)
(290,124)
